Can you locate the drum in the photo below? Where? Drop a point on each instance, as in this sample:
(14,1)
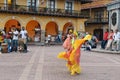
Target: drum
(4,48)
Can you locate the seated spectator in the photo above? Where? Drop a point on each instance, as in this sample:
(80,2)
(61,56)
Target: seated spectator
(93,42)
(105,39)
(110,40)
(116,40)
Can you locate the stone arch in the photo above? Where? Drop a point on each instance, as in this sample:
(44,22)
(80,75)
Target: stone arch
(34,29)
(51,28)
(7,18)
(67,27)
(13,23)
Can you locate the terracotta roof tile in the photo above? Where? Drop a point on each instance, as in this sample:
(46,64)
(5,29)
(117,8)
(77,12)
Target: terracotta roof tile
(96,4)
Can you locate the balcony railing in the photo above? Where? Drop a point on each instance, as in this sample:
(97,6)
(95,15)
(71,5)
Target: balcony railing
(21,9)
(97,20)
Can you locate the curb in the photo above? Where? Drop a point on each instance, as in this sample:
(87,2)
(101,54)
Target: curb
(105,51)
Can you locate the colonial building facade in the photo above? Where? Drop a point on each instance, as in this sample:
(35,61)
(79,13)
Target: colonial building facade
(42,17)
(98,20)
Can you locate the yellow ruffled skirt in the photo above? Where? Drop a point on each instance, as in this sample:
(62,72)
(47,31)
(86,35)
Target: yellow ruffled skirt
(63,55)
(72,66)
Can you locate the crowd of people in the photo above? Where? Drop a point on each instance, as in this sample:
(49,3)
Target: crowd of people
(111,40)
(14,40)
(60,38)
(53,39)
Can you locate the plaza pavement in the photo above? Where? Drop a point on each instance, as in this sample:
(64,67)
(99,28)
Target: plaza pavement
(41,63)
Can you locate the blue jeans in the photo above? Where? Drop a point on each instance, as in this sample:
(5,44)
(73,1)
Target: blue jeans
(14,45)
(103,44)
(9,45)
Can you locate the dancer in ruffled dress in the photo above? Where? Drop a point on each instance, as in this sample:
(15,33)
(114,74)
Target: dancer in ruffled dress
(72,55)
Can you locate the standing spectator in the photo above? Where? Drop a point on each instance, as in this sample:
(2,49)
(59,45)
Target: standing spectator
(116,40)
(15,40)
(58,38)
(110,40)
(105,39)
(3,32)
(63,37)
(24,36)
(37,37)
(1,39)
(49,39)
(8,39)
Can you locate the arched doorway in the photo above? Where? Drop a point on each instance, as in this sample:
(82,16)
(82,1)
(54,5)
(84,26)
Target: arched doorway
(51,28)
(67,27)
(12,24)
(34,30)
(99,34)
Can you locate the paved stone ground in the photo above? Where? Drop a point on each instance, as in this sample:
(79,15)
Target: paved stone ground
(40,63)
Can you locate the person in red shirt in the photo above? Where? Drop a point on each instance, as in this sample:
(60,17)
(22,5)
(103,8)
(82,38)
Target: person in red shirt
(105,39)
(110,40)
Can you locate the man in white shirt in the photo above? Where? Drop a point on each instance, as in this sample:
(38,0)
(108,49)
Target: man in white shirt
(116,40)
(24,36)
(15,40)
(49,39)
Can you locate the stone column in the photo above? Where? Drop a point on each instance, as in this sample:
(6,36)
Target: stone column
(119,19)
(109,19)
(42,37)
